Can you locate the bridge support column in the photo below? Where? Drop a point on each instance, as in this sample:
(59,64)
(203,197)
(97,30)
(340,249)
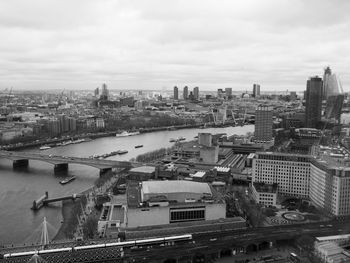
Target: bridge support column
(104,170)
(61,167)
(20,163)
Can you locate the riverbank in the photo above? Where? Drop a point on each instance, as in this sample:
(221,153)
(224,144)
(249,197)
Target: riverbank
(21,146)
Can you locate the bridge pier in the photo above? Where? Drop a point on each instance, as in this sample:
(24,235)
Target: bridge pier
(104,170)
(20,163)
(61,167)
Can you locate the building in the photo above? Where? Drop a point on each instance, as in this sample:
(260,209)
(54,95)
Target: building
(196,93)
(263,124)
(220,93)
(176,93)
(331,84)
(104,92)
(323,180)
(290,172)
(185,93)
(228,93)
(265,194)
(167,202)
(205,138)
(313,102)
(142,173)
(256,90)
(97,92)
(334,107)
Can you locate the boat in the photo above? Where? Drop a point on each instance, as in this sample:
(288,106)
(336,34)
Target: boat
(67,180)
(125,134)
(172,140)
(45,147)
(122,151)
(182,138)
(139,146)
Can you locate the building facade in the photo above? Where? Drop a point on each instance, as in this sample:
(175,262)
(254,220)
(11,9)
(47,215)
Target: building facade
(324,182)
(256,90)
(176,93)
(263,124)
(313,102)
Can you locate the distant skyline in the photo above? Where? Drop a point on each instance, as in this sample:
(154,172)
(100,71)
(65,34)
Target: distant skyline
(152,44)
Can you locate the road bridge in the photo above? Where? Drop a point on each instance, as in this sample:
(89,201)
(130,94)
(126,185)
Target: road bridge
(60,163)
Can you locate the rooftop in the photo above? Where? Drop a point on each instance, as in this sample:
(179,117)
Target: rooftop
(143,169)
(165,187)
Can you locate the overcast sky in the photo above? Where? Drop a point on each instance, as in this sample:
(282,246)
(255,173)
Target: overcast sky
(152,44)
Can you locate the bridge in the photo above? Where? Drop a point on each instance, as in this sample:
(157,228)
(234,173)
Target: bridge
(60,163)
(203,247)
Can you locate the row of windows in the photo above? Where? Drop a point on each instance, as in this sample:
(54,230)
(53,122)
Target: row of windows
(187,215)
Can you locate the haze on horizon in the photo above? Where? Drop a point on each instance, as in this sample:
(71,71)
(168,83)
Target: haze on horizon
(138,44)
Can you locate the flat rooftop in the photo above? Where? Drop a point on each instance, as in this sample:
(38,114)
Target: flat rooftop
(165,187)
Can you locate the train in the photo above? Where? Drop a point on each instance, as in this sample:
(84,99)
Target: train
(170,240)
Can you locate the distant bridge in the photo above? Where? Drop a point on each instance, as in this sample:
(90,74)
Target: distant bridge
(21,159)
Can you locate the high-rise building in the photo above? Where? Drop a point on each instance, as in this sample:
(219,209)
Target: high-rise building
(263,124)
(104,92)
(228,93)
(176,93)
(196,93)
(331,84)
(313,102)
(97,92)
(256,90)
(185,93)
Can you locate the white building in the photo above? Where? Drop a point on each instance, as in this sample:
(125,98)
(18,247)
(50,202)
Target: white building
(166,202)
(325,182)
(265,194)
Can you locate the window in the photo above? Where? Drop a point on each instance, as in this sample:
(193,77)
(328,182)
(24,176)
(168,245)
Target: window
(183,215)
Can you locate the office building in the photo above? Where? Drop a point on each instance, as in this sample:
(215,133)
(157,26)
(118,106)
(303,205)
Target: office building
(263,124)
(176,93)
(256,90)
(185,93)
(324,181)
(97,92)
(228,93)
(331,84)
(196,93)
(104,92)
(313,102)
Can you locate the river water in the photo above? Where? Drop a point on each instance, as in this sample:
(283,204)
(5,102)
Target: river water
(18,188)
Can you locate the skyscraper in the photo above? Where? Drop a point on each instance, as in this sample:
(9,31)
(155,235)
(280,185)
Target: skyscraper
(256,90)
(313,102)
(104,92)
(176,93)
(263,124)
(331,84)
(185,93)
(196,93)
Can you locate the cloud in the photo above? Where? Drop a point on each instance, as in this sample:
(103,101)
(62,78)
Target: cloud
(156,43)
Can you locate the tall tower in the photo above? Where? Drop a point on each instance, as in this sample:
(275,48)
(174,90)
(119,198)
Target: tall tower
(313,102)
(196,93)
(185,93)
(176,93)
(256,90)
(263,124)
(104,92)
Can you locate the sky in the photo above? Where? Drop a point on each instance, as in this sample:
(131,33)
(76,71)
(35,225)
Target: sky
(156,44)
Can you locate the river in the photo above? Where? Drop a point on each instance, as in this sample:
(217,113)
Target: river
(18,188)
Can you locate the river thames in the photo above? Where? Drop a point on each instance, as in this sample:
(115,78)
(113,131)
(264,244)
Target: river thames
(18,189)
